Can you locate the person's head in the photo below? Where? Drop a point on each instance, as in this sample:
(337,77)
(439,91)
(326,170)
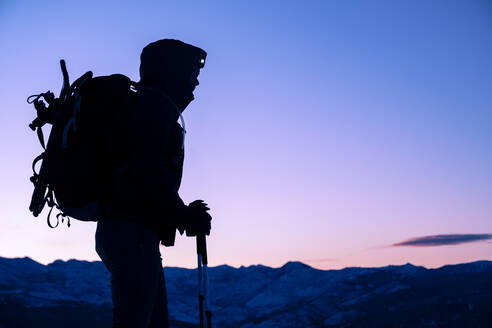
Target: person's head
(172,66)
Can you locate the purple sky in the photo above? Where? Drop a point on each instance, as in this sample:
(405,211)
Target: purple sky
(322,131)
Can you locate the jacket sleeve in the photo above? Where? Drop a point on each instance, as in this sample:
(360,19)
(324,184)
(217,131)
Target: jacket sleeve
(153,117)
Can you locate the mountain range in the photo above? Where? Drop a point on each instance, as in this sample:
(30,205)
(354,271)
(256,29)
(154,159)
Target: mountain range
(77,294)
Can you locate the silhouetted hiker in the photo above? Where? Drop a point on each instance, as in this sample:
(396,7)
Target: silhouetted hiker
(143,207)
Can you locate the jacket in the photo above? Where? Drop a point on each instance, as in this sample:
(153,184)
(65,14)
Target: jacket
(145,187)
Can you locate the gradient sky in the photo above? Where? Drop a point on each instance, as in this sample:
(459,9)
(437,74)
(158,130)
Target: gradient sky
(329,132)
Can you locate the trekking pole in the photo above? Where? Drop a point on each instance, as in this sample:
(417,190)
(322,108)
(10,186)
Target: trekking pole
(201,249)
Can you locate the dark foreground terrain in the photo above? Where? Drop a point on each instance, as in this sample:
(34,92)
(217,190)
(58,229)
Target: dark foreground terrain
(77,294)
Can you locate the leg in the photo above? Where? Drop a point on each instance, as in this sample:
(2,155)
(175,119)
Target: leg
(160,317)
(130,251)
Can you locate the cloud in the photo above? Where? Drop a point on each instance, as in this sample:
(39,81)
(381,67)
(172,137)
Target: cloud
(440,240)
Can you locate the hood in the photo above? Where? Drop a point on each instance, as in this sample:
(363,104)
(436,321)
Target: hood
(168,65)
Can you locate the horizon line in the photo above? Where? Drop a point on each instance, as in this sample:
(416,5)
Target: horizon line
(259,264)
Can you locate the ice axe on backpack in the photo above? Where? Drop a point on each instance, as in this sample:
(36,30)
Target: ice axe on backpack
(205,313)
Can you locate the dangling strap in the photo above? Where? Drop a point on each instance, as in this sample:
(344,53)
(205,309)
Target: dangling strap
(39,132)
(49,222)
(182,125)
(35,177)
(50,200)
(34,97)
(63,216)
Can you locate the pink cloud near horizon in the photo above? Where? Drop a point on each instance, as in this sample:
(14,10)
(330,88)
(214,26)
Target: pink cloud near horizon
(441,240)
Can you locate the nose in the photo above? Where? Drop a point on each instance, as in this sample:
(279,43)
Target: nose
(194,81)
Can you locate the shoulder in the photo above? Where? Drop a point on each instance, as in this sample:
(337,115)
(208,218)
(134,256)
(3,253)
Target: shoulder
(157,103)
(155,97)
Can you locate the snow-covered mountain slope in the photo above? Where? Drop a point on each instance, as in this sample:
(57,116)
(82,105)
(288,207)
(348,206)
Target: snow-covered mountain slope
(78,294)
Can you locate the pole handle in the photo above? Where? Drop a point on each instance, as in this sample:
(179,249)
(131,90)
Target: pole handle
(201,248)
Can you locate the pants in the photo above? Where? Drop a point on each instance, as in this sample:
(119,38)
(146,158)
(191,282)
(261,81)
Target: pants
(130,252)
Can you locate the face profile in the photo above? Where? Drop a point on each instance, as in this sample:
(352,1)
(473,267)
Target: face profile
(193,80)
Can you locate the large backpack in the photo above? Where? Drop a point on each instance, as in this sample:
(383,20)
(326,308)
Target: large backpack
(77,162)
